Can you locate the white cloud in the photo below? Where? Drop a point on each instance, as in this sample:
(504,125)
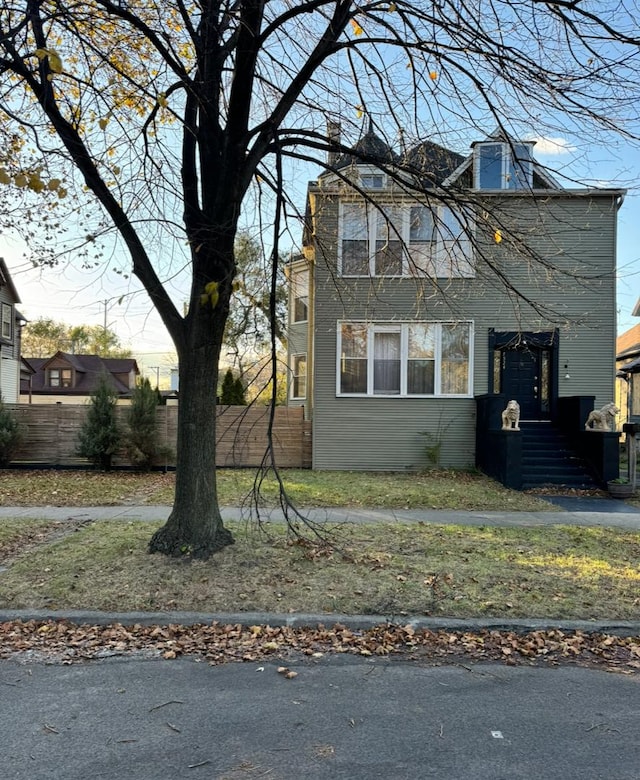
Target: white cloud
(553,146)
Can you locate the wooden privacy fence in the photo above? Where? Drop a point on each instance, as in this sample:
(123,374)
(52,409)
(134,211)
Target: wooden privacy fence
(51,435)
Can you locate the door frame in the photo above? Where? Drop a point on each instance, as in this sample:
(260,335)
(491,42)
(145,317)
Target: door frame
(502,340)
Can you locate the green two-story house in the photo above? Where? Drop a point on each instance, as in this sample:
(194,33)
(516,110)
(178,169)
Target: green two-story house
(432,284)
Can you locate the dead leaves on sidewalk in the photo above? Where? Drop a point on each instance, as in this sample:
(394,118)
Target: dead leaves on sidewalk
(65,642)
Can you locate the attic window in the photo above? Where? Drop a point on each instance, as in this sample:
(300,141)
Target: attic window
(60,377)
(372,181)
(503,166)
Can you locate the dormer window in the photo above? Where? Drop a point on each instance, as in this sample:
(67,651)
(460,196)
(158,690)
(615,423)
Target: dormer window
(500,165)
(371,181)
(60,377)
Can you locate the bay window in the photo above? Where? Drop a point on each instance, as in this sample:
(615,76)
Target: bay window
(404,359)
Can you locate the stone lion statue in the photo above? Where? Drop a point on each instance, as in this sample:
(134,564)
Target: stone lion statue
(602,419)
(511,417)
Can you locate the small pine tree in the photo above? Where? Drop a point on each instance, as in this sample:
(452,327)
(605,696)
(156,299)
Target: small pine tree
(227,392)
(239,392)
(99,436)
(10,434)
(142,441)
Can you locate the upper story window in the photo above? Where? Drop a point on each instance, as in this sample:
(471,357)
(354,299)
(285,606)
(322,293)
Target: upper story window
(60,377)
(405,240)
(404,359)
(7,321)
(300,295)
(372,181)
(499,165)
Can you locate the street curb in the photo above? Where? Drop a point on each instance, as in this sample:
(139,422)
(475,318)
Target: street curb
(620,628)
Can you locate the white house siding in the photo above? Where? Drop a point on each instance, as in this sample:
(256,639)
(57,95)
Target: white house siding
(577,233)
(9,379)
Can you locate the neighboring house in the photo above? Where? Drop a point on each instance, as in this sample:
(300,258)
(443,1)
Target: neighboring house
(12,368)
(628,372)
(400,318)
(71,379)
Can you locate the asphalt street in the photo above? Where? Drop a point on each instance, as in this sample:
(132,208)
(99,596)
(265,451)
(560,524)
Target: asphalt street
(148,719)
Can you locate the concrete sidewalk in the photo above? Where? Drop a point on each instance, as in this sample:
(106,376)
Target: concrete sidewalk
(578,511)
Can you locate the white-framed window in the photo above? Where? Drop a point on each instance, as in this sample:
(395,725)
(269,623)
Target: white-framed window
(60,377)
(298,376)
(300,295)
(372,181)
(499,165)
(405,240)
(405,359)
(7,321)
(440,244)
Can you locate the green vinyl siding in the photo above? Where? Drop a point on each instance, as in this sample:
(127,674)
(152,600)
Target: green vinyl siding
(570,286)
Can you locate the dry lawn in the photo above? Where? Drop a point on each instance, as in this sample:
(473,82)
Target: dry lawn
(432,490)
(551,572)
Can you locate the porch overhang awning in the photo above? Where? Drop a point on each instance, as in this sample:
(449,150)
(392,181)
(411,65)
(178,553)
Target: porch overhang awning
(522,339)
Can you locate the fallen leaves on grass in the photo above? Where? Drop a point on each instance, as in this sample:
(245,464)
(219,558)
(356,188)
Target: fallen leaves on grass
(431,489)
(20,536)
(66,642)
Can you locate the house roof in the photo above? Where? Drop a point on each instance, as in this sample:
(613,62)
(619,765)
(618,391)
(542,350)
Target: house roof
(628,343)
(433,164)
(630,368)
(369,148)
(88,370)
(6,281)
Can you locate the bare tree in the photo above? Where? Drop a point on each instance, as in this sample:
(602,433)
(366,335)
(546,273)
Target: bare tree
(177,117)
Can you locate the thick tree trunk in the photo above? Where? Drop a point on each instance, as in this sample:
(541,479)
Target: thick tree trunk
(195,526)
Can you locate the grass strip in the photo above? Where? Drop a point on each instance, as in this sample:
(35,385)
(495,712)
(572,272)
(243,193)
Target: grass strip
(390,570)
(430,490)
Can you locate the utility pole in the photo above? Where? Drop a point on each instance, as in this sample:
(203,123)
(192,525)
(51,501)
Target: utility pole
(157,370)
